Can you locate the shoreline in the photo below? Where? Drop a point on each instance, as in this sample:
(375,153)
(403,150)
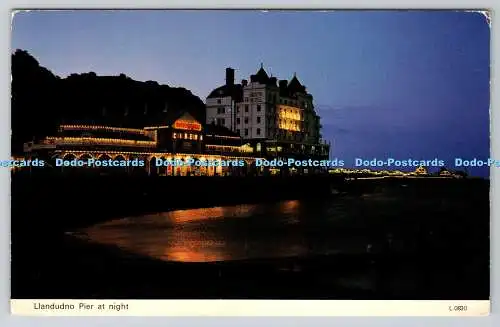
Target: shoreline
(62,203)
(47,263)
(88,200)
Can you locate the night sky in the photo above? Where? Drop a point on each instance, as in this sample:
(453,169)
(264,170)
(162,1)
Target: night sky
(386,84)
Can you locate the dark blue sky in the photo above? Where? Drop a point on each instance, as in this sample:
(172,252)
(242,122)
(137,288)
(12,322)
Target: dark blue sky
(387,84)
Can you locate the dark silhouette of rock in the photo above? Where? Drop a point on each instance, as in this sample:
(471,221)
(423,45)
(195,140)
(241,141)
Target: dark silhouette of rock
(41,101)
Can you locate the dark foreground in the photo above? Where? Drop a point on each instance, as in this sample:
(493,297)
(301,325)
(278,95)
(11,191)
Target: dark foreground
(440,250)
(62,202)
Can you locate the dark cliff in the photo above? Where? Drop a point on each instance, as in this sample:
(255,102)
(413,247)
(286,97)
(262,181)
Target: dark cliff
(41,100)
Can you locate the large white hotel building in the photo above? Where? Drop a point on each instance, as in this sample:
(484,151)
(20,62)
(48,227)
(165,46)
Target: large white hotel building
(276,117)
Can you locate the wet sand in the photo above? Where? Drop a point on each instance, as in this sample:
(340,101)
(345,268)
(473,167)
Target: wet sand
(451,261)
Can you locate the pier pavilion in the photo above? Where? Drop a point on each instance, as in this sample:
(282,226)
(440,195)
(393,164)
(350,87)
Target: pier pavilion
(181,138)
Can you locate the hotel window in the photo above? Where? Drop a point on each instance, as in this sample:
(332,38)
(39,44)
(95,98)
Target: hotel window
(258,107)
(238,131)
(246,120)
(219,101)
(258,120)
(246,99)
(238,108)
(258,147)
(222,121)
(246,131)
(238,121)
(258,131)
(246,108)
(221,110)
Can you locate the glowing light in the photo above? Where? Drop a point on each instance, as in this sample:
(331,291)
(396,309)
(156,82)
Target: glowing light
(290,118)
(223,137)
(155,154)
(156,127)
(187,125)
(289,127)
(243,148)
(421,170)
(93,127)
(99,141)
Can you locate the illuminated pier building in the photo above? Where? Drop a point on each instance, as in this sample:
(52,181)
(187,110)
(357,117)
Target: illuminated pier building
(276,117)
(183,138)
(263,118)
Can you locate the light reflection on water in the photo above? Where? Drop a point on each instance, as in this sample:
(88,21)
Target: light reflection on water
(281,229)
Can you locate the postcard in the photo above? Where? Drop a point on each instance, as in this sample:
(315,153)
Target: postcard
(170,162)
